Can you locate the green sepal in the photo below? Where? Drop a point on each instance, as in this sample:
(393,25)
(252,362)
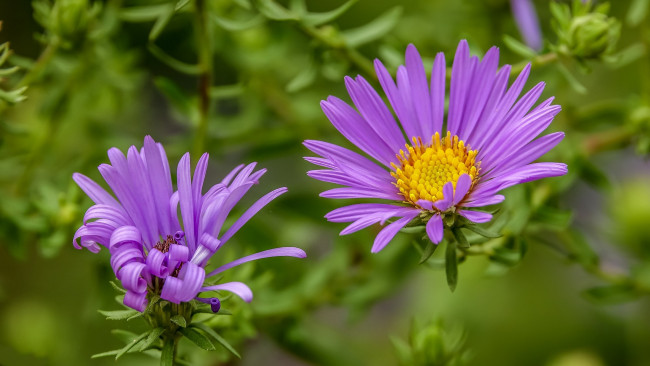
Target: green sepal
(451,265)
(179,320)
(428,251)
(132,344)
(460,237)
(117,287)
(483,232)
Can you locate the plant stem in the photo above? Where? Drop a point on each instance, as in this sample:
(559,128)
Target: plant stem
(204,46)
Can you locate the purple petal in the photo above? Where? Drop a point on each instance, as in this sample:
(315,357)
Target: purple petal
(356,130)
(341,193)
(438,76)
(527,22)
(435,229)
(375,112)
(161,183)
(94,191)
(186,200)
(255,208)
(238,288)
(276,252)
(461,75)
(476,216)
(397,99)
(388,233)
(427,205)
(485,201)
(447,197)
(462,187)
(136,300)
(420,98)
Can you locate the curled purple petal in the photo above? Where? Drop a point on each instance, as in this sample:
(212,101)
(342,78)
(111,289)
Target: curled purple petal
(276,252)
(238,288)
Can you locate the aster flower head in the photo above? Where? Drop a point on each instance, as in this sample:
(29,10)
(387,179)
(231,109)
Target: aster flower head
(433,165)
(153,251)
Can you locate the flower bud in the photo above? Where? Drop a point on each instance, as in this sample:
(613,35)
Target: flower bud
(584,33)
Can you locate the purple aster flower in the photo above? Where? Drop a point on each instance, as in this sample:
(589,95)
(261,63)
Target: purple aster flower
(527,22)
(152,250)
(444,167)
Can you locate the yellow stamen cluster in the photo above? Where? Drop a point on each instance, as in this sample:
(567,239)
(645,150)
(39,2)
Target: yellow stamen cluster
(425,169)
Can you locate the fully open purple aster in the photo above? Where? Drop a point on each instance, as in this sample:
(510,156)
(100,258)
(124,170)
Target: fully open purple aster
(152,251)
(449,166)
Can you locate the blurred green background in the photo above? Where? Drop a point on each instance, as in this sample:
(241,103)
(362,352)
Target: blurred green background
(106,73)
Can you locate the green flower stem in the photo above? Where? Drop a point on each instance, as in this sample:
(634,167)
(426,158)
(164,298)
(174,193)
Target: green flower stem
(539,60)
(607,140)
(204,46)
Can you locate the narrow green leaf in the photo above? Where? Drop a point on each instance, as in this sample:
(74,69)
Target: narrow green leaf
(167,353)
(413,229)
(197,338)
(238,25)
(483,232)
(105,354)
(124,335)
(179,320)
(132,344)
(143,13)
(573,82)
(304,78)
(118,314)
(175,64)
(161,23)
(613,294)
(226,91)
(428,251)
(316,19)
(9,71)
(273,10)
(117,287)
(519,48)
(373,30)
(460,237)
(216,337)
(451,265)
(180,4)
(153,336)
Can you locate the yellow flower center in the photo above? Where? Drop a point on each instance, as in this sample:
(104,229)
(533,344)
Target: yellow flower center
(425,169)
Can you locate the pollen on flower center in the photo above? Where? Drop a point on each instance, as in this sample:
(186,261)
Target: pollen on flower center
(425,169)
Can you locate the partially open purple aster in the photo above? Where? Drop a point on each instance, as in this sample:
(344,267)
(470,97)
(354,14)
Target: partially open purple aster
(152,251)
(449,166)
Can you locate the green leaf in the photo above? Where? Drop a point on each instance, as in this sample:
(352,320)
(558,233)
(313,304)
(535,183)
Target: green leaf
(180,4)
(118,314)
(161,23)
(197,338)
(216,337)
(304,78)
(175,64)
(451,265)
(226,91)
(316,19)
(179,320)
(143,13)
(374,30)
(573,82)
(117,287)
(153,336)
(413,229)
(637,12)
(519,48)
(460,237)
(273,10)
(124,335)
(593,175)
(238,25)
(167,353)
(483,232)
(580,249)
(428,251)
(613,294)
